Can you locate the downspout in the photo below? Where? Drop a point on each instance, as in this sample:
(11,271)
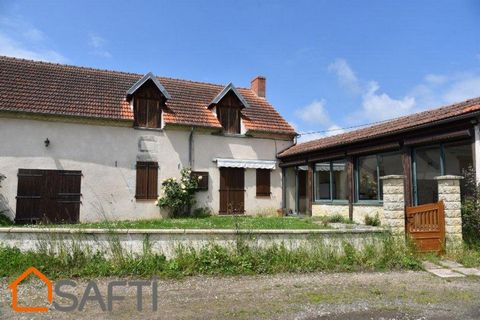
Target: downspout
(190,148)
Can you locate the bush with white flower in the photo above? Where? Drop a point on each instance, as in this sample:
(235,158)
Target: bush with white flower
(178,195)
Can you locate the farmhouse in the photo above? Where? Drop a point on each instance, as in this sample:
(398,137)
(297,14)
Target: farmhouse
(81,144)
(342,174)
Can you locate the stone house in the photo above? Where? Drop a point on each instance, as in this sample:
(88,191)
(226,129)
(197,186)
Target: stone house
(82,144)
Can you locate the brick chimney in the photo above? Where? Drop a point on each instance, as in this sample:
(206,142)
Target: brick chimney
(258,85)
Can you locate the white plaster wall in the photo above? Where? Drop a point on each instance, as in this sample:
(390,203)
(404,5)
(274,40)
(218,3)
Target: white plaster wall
(107,157)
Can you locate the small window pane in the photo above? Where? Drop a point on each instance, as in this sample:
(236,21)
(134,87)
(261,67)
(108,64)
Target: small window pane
(322,181)
(339,175)
(367,178)
(389,164)
(427,162)
(459,161)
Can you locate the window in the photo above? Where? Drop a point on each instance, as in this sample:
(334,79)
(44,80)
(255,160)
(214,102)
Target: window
(229,118)
(202,177)
(432,161)
(370,169)
(147,180)
(147,113)
(263,182)
(331,180)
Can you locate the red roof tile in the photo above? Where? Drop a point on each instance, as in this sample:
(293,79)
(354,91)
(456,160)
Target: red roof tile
(385,128)
(47,88)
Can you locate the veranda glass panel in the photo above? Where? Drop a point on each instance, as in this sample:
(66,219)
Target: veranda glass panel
(459,161)
(428,166)
(322,181)
(389,164)
(367,178)
(339,177)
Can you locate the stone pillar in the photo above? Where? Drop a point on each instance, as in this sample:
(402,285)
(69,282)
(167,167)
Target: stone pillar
(449,193)
(394,204)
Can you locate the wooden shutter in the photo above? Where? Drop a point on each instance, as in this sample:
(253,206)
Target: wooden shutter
(141,112)
(229,118)
(147,180)
(263,182)
(152,183)
(153,113)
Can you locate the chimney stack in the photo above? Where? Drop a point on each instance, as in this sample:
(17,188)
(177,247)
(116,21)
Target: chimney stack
(258,85)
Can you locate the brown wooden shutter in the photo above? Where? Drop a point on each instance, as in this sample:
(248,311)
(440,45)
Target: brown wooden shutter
(263,182)
(153,113)
(141,112)
(152,180)
(142,178)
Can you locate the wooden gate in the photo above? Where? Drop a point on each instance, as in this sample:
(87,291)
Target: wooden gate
(426,226)
(232,191)
(48,196)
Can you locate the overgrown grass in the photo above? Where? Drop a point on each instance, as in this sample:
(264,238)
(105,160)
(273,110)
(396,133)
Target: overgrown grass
(212,222)
(336,218)
(212,260)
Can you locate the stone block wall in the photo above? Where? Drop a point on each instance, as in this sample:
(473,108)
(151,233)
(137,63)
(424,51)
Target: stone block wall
(449,193)
(394,204)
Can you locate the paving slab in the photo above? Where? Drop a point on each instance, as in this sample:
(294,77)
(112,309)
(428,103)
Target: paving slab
(445,273)
(450,264)
(430,265)
(468,271)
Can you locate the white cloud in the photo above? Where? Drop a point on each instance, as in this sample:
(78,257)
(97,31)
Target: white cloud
(346,76)
(380,106)
(98,43)
(314,113)
(462,89)
(22,40)
(435,78)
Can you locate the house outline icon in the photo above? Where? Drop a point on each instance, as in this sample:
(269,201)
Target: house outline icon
(14,284)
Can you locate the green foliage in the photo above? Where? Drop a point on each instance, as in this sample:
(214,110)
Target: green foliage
(5,221)
(178,196)
(336,218)
(387,254)
(372,221)
(202,213)
(207,222)
(470,208)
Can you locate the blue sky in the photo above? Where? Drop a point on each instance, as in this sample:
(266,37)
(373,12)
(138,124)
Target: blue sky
(329,64)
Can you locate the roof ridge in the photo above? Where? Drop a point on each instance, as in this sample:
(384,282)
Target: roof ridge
(110,70)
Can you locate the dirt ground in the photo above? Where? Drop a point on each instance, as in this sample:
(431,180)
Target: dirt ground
(391,295)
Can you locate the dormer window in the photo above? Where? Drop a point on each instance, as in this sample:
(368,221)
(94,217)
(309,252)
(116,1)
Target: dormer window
(149,97)
(228,105)
(229,118)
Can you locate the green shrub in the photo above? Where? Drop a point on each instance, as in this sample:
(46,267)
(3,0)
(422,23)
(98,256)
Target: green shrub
(470,208)
(202,213)
(372,221)
(178,196)
(336,218)
(387,254)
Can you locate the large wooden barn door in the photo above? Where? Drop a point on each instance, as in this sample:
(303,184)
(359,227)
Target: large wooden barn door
(48,196)
(426,226)
(232,191)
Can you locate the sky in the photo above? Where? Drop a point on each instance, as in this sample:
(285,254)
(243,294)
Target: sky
(330,65)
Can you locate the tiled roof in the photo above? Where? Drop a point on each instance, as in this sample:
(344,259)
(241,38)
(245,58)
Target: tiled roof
(47,88)
(385,128)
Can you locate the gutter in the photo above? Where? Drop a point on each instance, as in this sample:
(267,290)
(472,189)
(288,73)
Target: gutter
(190,148)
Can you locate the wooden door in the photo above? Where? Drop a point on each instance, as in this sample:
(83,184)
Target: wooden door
(232,191)
(426,226)
(49,196)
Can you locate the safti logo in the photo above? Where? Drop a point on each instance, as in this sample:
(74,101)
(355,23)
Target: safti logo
(91,294)
(13,286)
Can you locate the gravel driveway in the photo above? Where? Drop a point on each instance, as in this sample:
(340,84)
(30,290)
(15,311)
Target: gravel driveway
(391,295)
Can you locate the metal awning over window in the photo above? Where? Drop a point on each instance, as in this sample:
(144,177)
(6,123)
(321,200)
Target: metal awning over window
(248,164)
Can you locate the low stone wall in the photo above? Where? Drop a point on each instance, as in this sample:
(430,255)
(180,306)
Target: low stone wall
(166,241)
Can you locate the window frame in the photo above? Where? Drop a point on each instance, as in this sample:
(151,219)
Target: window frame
(356,172)
(331,200)
(268,173)
(147,166)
